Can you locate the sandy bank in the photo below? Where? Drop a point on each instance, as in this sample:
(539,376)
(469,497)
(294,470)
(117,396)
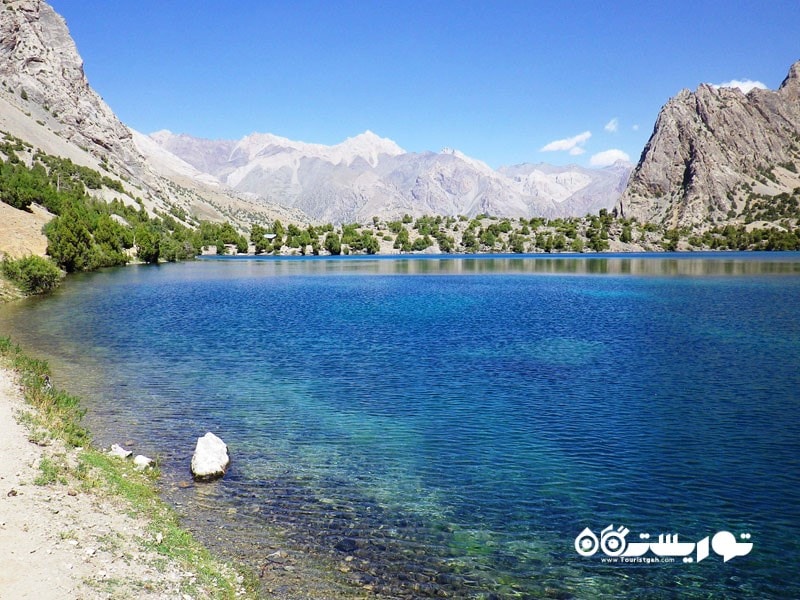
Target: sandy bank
(58,541)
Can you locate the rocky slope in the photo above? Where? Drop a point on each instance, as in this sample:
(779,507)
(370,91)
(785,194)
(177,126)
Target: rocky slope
(368,176)
(712,149)
(46,100)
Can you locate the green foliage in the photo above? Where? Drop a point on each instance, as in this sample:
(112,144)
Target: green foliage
(470,242)
(421,243)
(517,244)
(148,243)
(21,186)
(33,274)
(333,244)
(218,234)
(627,235)
(369,243)
(69,241)
(50,472)
(59,412)
(402,241)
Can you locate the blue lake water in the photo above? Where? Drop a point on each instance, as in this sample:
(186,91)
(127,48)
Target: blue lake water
(454,424)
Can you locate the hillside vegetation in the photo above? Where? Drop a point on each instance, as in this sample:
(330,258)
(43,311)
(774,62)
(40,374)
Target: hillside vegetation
(88,233)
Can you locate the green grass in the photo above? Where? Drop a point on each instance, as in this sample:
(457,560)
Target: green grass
(57,415)
(51,471)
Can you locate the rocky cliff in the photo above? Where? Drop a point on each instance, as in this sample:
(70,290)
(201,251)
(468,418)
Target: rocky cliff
(46,100)
(710,149)
(40,63)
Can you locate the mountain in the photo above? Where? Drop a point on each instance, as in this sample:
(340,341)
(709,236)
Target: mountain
(714,149)
(367,176)
(46,100)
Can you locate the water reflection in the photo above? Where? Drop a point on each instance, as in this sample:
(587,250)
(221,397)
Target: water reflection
(664,265)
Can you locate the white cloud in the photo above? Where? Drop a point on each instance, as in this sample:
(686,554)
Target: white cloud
(744,84)
(635,127)
(612,125)
(608,158)
(573,144)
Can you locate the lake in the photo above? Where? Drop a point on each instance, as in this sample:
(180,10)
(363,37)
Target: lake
(453,426)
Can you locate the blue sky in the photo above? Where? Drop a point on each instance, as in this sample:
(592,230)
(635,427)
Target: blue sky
(505,81)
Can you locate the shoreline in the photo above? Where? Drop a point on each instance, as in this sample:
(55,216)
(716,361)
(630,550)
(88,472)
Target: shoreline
(66,534)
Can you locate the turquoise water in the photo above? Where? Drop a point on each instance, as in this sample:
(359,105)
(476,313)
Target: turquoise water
(456,423)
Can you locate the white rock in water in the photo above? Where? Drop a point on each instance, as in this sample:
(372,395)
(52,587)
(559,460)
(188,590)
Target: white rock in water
(119,451)
(142,462)
(210,458)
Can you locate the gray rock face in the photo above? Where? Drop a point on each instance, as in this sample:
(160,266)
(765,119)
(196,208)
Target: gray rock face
(368,176)
(46,100)
(707,144)
(39,61)
(210,459)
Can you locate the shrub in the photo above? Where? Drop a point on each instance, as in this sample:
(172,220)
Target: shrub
(33,274)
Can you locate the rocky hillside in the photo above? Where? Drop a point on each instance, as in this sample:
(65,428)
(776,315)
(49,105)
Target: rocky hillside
(46,100)
(715,153)
(368,176)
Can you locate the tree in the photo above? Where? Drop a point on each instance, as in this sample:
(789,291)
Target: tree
(258,236)
(421,243)
(33,274)
(370,243)
(626,236)
(148,244)
(470,241)
(69,242)
(333,244)
(401,242)
(517,244)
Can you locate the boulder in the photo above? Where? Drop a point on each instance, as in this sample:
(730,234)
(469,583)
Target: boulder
(210,459)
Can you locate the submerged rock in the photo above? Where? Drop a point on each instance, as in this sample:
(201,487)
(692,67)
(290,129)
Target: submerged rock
(119,451)
(210,459)
(346,545)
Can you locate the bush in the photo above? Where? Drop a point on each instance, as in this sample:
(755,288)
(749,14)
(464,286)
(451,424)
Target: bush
(33,274)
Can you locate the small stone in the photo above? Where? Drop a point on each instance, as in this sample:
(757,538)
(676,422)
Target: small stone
(12,493)
(184,484)
(142,462)
(119,451)
(72,492)
(346,545)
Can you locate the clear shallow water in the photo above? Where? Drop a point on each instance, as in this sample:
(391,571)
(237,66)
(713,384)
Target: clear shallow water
(456,423)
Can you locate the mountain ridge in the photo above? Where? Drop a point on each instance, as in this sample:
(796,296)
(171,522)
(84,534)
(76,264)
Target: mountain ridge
(367,175)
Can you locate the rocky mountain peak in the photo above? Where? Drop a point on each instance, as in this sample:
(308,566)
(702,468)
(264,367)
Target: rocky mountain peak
(707,146)
(792,82)
(40,66)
